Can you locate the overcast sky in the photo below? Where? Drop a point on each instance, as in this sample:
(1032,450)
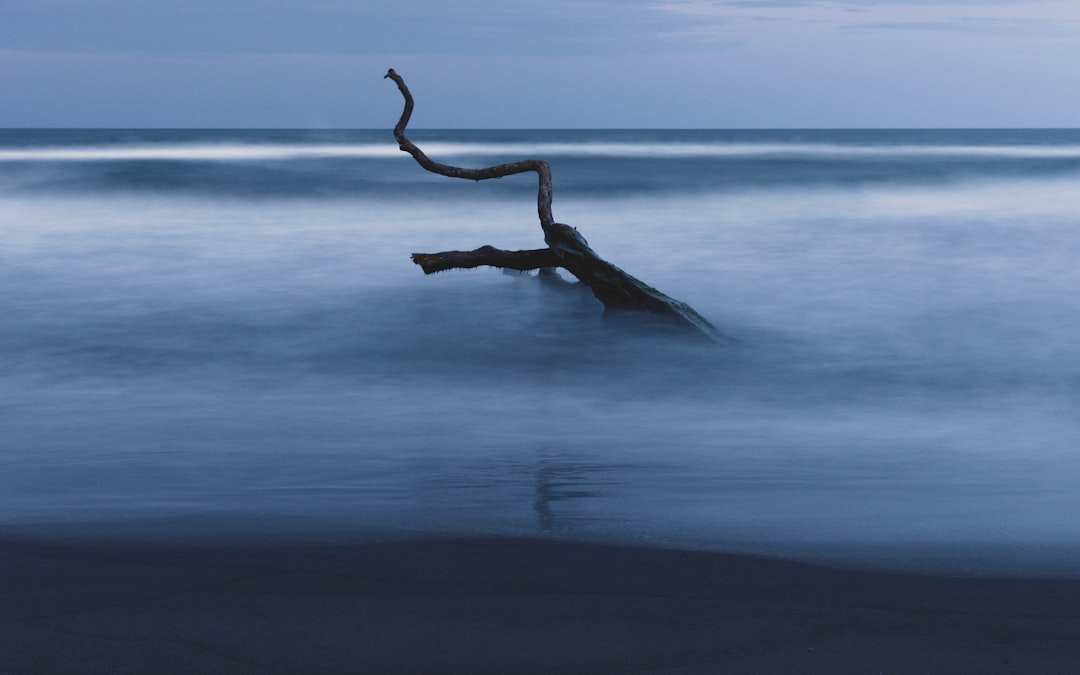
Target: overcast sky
(541,63)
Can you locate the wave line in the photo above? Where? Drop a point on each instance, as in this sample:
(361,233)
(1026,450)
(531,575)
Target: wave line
(276,152)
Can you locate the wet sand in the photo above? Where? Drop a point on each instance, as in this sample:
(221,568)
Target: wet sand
(508,606)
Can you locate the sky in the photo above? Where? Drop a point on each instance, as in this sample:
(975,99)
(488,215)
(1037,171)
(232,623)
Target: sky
(541,63)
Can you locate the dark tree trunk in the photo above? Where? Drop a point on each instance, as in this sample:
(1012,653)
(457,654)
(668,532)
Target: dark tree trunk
(566,248)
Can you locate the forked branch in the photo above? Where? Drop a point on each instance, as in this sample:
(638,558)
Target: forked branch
(522,261)
(617,290)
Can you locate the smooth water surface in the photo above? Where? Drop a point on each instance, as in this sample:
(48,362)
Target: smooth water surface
(221,332)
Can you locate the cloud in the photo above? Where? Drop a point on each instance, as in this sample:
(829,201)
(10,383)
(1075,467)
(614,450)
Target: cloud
(978,25)
(767,4)
(864,4)
(328,26)
(997,17)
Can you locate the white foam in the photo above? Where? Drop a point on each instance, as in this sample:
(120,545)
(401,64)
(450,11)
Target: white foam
(194,152)
(247,152)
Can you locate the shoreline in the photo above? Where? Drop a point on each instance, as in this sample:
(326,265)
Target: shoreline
(479,605)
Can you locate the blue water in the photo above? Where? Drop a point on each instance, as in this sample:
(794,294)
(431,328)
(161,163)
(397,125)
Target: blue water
(208,333)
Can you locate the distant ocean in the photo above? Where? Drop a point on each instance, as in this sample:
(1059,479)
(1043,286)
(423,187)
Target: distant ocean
(220,333)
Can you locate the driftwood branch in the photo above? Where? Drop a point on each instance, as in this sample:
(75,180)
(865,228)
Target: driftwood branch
(618,291)
(543,171)
(486,255)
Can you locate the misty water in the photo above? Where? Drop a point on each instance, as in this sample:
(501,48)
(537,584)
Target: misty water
(221,334)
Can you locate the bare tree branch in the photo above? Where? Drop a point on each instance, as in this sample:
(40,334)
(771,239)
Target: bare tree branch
(486,255)
(543,196)
(617,290)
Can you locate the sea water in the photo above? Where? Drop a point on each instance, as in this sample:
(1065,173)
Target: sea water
(221,333)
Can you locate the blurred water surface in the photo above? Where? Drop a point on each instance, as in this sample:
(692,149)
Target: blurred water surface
(220,332)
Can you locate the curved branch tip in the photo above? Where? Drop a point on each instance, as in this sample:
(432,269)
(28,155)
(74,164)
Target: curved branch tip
(541,168)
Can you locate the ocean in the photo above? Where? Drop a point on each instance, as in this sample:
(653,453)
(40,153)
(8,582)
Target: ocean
(220,334)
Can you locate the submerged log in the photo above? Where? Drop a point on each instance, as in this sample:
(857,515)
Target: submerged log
(619,292)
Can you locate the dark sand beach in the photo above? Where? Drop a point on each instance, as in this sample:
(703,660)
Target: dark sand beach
(504,605)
